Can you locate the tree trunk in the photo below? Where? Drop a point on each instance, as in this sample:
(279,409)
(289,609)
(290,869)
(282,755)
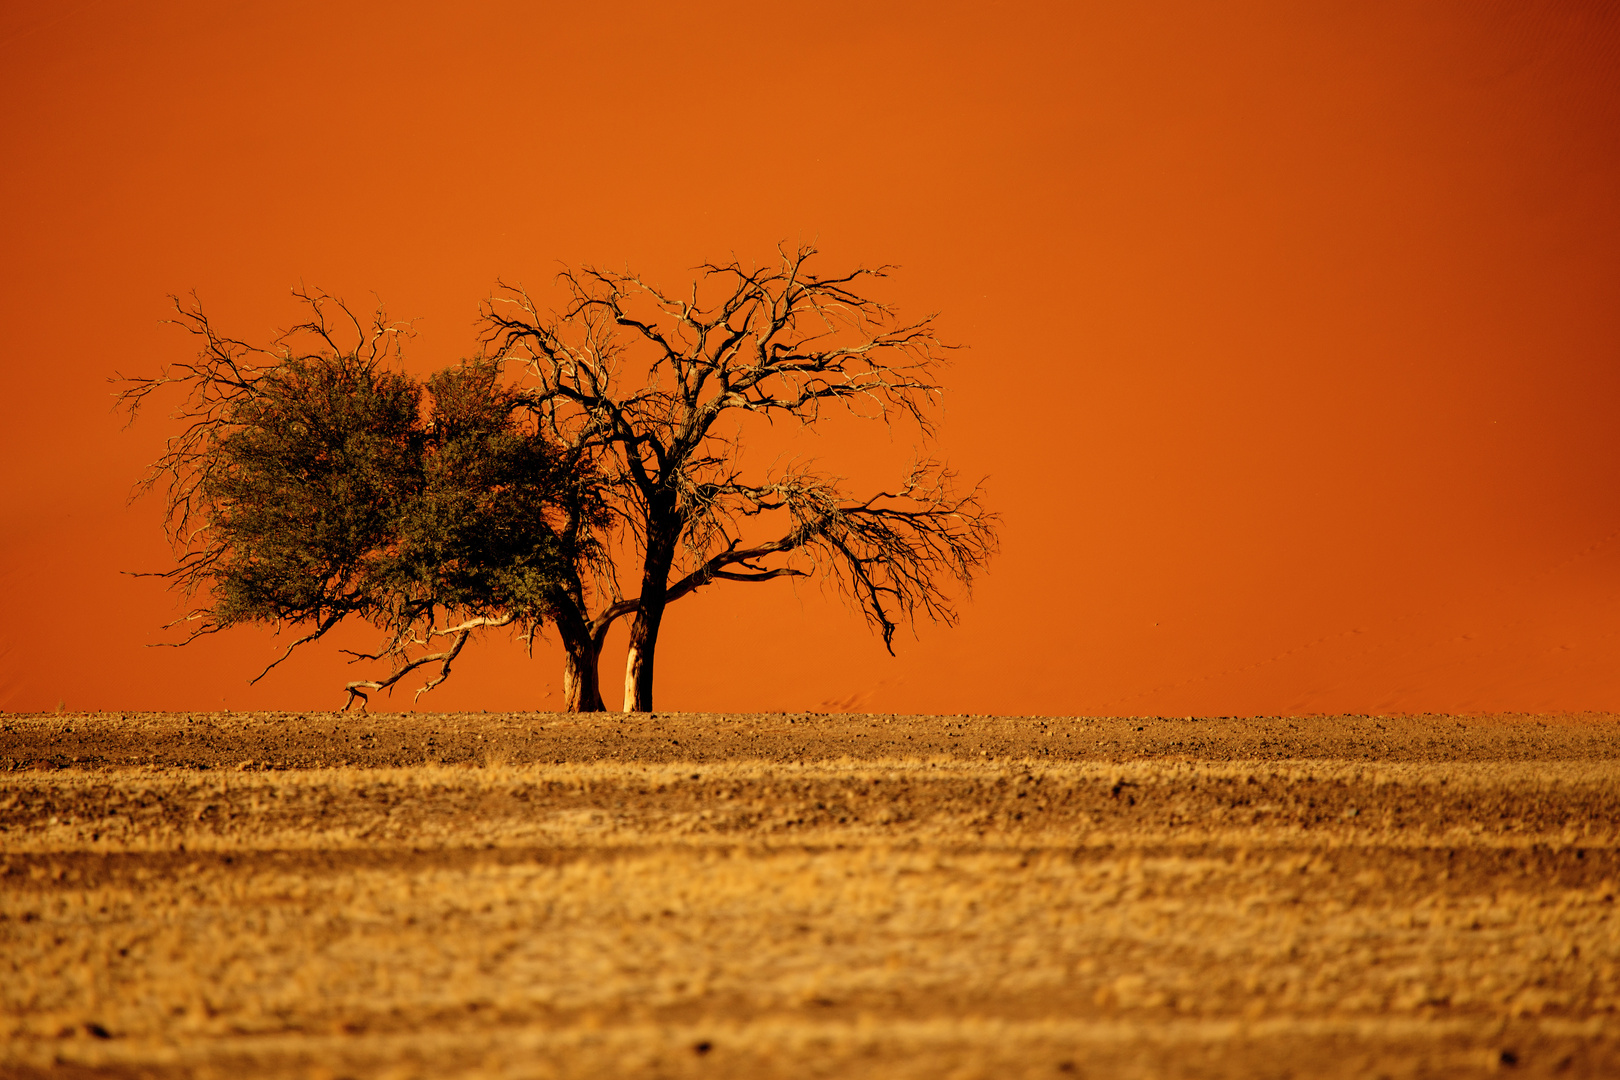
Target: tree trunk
(638,665)
(582,689)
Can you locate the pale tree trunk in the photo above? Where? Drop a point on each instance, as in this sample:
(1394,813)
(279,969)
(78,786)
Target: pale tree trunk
(638,664)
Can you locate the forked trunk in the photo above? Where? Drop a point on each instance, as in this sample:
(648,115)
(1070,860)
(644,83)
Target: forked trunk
(582,689)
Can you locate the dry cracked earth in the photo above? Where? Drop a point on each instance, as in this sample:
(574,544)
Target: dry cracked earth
(318,895)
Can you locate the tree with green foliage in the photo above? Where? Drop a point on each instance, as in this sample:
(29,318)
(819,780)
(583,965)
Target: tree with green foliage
(312,482)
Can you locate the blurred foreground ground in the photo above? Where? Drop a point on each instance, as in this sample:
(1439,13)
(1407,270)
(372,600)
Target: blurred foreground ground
(688,895)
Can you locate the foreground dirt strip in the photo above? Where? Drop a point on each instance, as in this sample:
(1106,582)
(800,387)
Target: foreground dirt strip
(1158,914)
(320,740)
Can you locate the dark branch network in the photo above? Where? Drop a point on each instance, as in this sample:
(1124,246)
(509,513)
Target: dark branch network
(312,482)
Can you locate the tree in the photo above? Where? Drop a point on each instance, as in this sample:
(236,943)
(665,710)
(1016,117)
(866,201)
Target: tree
(778,343)
(308,487)
(311,485)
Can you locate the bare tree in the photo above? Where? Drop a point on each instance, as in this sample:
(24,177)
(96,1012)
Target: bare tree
(783,342)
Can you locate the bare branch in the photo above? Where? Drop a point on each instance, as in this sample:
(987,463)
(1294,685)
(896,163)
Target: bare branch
(357,689)
(315,634)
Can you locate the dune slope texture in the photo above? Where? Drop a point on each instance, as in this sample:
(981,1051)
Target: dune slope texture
(687,895)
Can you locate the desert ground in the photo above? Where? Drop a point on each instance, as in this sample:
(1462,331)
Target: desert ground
(329,895)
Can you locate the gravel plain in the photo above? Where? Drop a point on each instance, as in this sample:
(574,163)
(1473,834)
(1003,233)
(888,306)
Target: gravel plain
(515,895)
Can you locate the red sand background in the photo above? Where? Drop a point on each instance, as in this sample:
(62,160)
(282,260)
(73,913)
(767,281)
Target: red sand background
(1294,328)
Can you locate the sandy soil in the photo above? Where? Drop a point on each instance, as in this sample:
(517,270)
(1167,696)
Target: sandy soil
(730,896)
